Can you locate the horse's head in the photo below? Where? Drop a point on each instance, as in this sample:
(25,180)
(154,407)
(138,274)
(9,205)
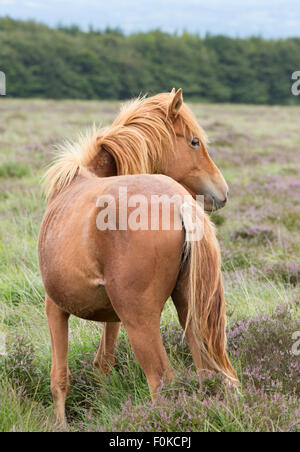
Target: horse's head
(190,164)
(157,134)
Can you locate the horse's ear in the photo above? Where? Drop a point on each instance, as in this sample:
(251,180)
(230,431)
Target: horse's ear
(176,103)
(173,91)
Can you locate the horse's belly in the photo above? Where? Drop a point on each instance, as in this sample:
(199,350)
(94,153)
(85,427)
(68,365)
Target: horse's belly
(95,307)
(84,301)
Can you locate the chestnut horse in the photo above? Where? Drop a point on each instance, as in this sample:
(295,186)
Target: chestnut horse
(126,276)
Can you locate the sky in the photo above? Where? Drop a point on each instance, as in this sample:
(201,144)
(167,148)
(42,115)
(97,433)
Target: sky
(237,18)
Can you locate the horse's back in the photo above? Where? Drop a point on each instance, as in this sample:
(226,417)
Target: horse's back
(83,267)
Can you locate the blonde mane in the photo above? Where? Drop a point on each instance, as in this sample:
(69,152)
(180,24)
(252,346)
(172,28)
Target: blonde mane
(140,139)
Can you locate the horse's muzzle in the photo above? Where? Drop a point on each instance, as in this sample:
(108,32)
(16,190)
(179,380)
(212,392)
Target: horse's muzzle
(212,203)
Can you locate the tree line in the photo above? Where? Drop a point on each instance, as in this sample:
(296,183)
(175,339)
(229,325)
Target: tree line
(66,62)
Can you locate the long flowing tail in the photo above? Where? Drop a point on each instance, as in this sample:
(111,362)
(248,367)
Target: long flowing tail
(206,310)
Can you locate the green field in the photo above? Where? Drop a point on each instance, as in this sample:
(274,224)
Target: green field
(258,150)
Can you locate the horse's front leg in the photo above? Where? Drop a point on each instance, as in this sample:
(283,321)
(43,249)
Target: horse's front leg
(105,357)
(60,374)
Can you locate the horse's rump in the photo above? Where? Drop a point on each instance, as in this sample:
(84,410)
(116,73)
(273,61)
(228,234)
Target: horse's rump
(79,261)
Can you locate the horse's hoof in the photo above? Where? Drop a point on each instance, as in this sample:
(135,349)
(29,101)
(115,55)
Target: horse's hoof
(103,368)
(62,425)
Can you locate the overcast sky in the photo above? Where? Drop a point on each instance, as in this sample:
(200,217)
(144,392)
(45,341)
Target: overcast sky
(268,18)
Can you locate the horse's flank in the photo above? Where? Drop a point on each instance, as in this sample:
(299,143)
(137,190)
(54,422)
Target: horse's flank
(139,140)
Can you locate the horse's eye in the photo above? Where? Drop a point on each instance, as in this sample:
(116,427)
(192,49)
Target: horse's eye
(195,141)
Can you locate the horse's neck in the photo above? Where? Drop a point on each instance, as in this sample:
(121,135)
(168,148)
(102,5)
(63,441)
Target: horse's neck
(103,165)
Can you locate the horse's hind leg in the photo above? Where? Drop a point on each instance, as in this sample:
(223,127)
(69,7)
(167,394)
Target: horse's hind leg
(105,358)
(148,348)
(180,300)
(60,374)
(139,280)
(141,319)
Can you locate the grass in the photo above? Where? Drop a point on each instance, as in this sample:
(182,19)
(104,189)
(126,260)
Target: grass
(13,169)
(260,242)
